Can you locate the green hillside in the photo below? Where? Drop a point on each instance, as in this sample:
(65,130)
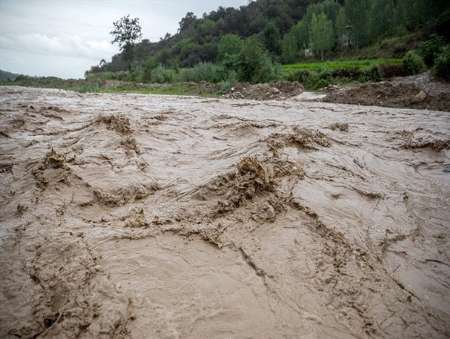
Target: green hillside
(4,75)
(291,31)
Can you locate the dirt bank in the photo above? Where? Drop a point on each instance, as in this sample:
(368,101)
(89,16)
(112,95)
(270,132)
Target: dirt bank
(132,216)
(279,90)
(420,92)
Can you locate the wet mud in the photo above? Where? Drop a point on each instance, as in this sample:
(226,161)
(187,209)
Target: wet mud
(278,90)
(133,216)
(419,92)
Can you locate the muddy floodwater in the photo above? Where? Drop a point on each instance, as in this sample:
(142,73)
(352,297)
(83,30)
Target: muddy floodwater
(133,216)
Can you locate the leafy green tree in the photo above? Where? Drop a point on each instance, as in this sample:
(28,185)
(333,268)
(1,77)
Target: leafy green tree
(228,50)
(382,19)
(294,42)
(289,48)
(205,29)
(187,23)
(125,33)
(413,63)
(331,9)
(272,38)
(255,65)
(430,49)
(341,28)
(301,31)
(357,14)
(322,34)
(442,65)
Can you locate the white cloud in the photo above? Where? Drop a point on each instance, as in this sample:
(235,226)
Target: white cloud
(65,38)
(64,45)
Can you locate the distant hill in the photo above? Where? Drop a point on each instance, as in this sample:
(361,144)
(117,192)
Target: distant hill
(4,75)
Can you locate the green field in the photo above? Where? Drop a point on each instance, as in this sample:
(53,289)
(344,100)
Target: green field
(166,89)
(339,64)
(102,86)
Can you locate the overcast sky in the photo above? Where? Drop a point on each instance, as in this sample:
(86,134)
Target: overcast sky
(65,37)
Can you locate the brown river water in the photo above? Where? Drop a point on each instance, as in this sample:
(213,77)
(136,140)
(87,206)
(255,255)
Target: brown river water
(134,216)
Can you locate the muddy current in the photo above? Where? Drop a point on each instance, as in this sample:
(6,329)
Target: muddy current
(132,216)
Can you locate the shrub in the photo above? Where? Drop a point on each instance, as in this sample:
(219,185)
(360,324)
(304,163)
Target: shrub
(203,72)
(301,76)
(149,66)
(442,65)
(430,49)
(268,71)
(413,63)
(255,65)
(162,75)
(136,75)
(372,74)
(121,75)
(312,80)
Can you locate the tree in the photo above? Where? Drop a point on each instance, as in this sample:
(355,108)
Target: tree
(272,37)
(126,32)
(255,65)
(322,34)
(357,12)
(382,19)
(187,22)
(289,48)
(301,32)
(341,29)
(228,50)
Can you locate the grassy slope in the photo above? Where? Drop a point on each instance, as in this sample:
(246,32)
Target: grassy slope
(167,89)
(338,64)
(89,86)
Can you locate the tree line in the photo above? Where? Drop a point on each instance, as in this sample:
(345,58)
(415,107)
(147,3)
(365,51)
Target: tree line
(287,31)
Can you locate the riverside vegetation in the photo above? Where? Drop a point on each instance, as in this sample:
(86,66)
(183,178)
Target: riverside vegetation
(315,43)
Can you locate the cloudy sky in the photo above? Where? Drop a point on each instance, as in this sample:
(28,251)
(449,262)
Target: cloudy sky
(65,37)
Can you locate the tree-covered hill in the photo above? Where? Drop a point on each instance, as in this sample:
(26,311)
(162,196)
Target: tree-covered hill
(4,75)
(289,30)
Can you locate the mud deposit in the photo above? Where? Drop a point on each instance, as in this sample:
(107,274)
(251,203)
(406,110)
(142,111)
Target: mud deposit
(131,216)
(419,92)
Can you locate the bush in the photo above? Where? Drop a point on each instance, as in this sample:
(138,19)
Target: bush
(442,65)
(312,80)
(121,75)
(148,68)
(430,49)
(162,75)
(413,63)
(372,74)
(203,72)
(136,75)
(255,65)
(301,76)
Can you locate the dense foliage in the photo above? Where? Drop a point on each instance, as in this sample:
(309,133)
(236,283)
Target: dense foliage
(288,31)
(4,75)
(413,63)
(442,65)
